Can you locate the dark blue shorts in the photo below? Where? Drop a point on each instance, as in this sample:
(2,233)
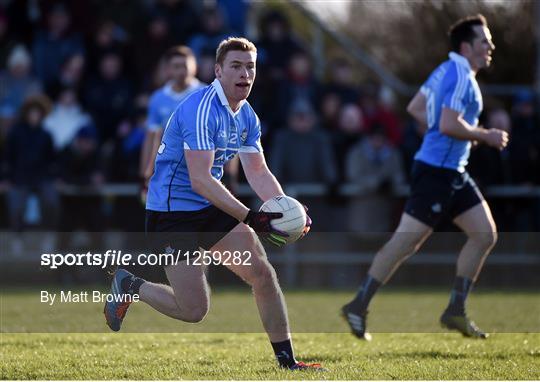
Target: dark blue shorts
(187,231)
(438,193)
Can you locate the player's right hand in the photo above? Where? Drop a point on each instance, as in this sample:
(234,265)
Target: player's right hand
(496,138)
(260,221)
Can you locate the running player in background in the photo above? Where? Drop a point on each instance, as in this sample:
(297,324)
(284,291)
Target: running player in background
(189,208)
(181,67)
(448,105)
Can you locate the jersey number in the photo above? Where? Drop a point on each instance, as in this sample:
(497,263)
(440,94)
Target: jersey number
(161,148)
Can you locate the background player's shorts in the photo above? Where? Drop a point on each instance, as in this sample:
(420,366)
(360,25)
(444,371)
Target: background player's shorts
(438,193)
(187,231)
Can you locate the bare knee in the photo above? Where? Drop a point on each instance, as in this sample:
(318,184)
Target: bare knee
(405,243)
(192,314)
(263,278)
(484,240)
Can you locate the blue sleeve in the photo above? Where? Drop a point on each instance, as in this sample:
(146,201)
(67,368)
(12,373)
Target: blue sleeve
(455,89)
(252,143)
(199,124)
(427,86)
(153,121)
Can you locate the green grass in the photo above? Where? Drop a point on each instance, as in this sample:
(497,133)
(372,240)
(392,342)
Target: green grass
(230,344)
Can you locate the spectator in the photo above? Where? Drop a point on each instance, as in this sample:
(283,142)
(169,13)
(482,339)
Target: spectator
(377,105)
(156,40)
(79,161)
(71,74)
(55,44)
(349,130)
(276,46)
(80,165)
(7,42)
(498,171)
(23,17)
(374,166)
(235,13)
(342,82)
(109,96)
(330,107)
(17,83)
(126,15)
(299,85)
(30,159)
(524,157)
(107,38)
(205,67)
(181,16)
(66,119)
(213,32)
(301,153)
(524,145)
(124,164)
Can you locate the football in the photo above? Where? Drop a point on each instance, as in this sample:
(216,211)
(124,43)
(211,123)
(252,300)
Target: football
(294,216)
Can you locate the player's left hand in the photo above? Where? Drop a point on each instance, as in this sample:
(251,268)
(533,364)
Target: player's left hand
(308,223)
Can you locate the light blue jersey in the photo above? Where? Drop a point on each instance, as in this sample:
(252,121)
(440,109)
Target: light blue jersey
(203,121)
(452,85)
(163,102)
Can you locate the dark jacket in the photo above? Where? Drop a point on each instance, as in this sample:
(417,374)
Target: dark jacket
(30,155)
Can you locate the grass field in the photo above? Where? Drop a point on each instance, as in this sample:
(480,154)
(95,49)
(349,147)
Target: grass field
(73,343)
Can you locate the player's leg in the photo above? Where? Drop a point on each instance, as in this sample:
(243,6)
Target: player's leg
(17,198)
(479,225)
(430,198)
(477,222)
(187,296)
(261,276)
(186,299)
(406,240)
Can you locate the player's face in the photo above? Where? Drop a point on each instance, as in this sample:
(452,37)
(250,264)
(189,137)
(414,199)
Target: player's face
(481,48)
(181,69)
(237,75)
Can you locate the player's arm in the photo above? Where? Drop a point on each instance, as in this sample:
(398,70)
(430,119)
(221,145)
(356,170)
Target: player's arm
(259,176)
(199,163)
(145,152)
(152,140)
(230,174)
(417,109)
(155,139)
(454,125)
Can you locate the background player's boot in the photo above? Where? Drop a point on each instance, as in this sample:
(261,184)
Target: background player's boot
(307,366)
(462,324)
(115,311)
(357,322)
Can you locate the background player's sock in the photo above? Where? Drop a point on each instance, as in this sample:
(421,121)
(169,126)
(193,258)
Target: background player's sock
(365,294)
(458,296)
(284,353)
(131,284)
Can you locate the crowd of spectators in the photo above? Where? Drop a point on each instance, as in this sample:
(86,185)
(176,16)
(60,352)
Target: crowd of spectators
(76,77)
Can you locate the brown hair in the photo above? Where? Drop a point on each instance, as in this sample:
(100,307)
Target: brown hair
(39,101)
(462,30)
(178,50)
(233,43)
